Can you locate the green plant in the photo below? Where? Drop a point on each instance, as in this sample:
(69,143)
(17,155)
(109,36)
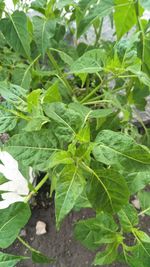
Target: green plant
(68,108)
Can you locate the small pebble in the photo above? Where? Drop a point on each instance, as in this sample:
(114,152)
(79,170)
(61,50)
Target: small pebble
(23,232)
(40,228)
(136,203)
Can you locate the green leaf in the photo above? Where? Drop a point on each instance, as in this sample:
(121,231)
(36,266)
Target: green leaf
(12,220)
(38,257)
(14,94)
(7,260)
(143,77)
(124,16)
(102,9)
(108,256)
(65,57)
(140,256)
(128,218)
(121,151)
(142,236)
(22,77)
(14,28)
(69,186)
(137,180)
(96,231)
(62,3)
(90,62)
(52,94)
(65,121)
(2,6)
(39,5)
(43,30)
(82,202)
(33,149)
(107,190)
(60,157)
(144,198)
(8,121)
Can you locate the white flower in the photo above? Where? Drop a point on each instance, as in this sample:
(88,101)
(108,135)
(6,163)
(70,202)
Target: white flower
(146,15)
(16,189)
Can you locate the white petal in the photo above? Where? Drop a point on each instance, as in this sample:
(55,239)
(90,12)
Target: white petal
(31,175)
(8,160)
(8,186)
(10,198)
(21,188)
(4,204)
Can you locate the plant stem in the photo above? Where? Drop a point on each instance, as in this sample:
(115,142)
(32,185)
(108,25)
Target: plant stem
(25,244)
(90,94)
(98,102)
(63,78)
(36,189)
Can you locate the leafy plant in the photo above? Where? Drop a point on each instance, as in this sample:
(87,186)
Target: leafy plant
(69,109)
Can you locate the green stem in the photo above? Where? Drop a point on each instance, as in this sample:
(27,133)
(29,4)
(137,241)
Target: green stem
(140,28)
(63,78)
(90,94)
(36,189)
(25,244)
(98,102)
(144,211)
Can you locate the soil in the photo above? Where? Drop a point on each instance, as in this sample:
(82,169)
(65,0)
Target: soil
(59,245)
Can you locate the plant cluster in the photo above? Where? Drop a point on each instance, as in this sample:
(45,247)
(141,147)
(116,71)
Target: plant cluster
(68,107)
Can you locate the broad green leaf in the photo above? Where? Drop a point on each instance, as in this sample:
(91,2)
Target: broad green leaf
(82,202)
(84,134)
(22,77)
(14,94)
(33,149)
(52,94)
(33,100)
(38,257)
(2,6)
(37,118)
(144,198)
(70,185)
(43,31)
(90,62)
(62,3)
(145,4)
(14,28)
(12,220)
(96,231)
(65,57)
(108,256)
(146,51)
(140,256)
(7,260)
(65,121)
(60,157)
(121,151)
(91,113)
(39,5)
(128,218)
(124,16)
(35,123)
(143,77)
(144,238)
(138,180)
(107,190)
(102,9)
(8,121)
